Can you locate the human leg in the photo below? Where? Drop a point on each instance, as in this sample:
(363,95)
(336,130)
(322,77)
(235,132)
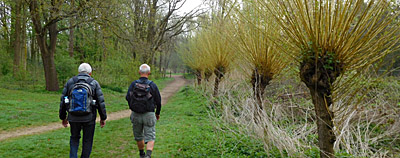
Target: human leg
(150,145)
(150,131)
(74,139)
(140,144)
(87,142)
(137,127)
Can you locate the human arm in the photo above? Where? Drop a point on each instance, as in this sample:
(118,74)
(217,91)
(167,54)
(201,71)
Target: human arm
(63,108)
(64,123)
(157,99)
(99,96)
(102,123)
(128,97)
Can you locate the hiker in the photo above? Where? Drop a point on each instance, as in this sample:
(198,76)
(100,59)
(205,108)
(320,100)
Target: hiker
(81,98)
(143,97)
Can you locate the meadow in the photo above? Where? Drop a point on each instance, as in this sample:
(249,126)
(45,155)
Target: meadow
(25,106)
(185,129)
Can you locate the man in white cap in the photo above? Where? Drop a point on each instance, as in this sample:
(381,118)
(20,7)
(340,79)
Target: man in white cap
(143,98)
(81,98)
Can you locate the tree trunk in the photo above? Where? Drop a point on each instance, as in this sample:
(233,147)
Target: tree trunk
(166,62)
(319,74)
(71,34)
(219,73)
(17,36)
(34,51)
(3,19)
(198,76)
(50,72)
(326,137)
(151,31)
(103,43)
(71,41)
(160,62)
(216,86)
(259,82)
(6,35)
(47,50)
(24,51)
(207,74)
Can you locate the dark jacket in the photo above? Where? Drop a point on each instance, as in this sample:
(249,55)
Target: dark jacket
(98,96)
(153,91)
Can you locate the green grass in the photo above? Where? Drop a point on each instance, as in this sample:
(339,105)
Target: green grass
(184,130)
(20,108)
(32,107)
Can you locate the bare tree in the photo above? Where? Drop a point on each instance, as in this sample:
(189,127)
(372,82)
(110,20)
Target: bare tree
(155,23)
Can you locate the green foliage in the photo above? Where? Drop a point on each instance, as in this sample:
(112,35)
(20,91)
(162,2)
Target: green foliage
(6,61)
(66,67)
(5,68)
(313,152)
(113,88)
(189,76)
(22,75)
(118,71)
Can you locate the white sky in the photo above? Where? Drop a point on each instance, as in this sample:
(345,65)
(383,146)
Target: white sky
(189,5)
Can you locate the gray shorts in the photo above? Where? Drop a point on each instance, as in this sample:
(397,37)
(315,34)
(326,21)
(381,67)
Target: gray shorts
(144,126)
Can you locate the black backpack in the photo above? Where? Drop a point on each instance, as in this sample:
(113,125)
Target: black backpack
(141,100)
(81,97)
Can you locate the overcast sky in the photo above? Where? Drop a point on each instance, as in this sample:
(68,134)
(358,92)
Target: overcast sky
(190,5)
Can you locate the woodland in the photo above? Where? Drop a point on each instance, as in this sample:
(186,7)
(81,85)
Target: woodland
(307,78)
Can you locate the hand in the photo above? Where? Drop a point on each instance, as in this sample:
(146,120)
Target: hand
(64,123)
(102,123)
(158,117)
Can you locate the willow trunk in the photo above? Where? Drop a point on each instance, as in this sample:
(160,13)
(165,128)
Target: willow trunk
(259,82)
(319,74)
(326,137)
(219,73)
(198,76)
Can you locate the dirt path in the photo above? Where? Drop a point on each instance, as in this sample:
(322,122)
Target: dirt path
(166,93)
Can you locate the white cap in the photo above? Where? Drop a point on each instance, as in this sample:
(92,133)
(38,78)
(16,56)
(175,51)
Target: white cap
(85,67)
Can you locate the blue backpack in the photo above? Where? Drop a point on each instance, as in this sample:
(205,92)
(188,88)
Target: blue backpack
(81,97)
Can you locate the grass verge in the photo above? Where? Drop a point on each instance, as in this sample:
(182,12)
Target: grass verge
(184,130)
(21,108)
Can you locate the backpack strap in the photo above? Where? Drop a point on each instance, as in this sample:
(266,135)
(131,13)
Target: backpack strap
(75,79)
(141,81)
(88,80)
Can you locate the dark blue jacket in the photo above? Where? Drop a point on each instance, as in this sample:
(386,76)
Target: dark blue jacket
(98,96)
(153,91)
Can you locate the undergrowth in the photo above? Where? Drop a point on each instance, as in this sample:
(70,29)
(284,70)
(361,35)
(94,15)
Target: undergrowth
(367,127)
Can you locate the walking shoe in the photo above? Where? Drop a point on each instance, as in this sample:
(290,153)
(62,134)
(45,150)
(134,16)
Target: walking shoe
(143,156)
(147,156)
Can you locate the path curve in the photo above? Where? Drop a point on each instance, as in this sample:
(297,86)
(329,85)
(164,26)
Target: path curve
(166,93)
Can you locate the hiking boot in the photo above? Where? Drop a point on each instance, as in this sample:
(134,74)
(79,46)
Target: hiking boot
(143,156)
(147,156)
